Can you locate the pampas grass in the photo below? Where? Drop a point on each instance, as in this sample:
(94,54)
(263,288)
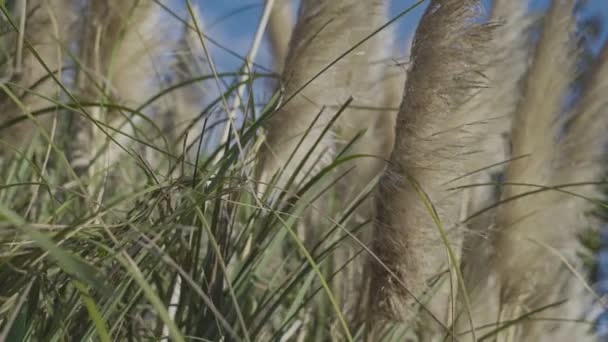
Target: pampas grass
(324,31)
(507,67)
(280,29)
(435,134)
(48,29)
(120,43)
(538,232)
(493,157)
(184,105)
(297,135)
(526,225)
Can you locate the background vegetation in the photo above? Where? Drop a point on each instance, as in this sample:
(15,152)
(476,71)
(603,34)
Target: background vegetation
(130,207)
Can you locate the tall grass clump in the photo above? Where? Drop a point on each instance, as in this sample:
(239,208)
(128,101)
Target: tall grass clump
(129,223)
(333,109)
(449,133)
(146,193)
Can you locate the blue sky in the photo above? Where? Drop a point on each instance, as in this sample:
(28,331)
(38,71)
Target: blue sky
(233,23)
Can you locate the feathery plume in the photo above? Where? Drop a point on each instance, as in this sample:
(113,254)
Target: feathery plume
(376,124)
(186,103)
(120,43)
(506,69)
(535,133)
(537,242)
(47,26)
(394,83)
(437,139)
(280,27)
(325,29)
